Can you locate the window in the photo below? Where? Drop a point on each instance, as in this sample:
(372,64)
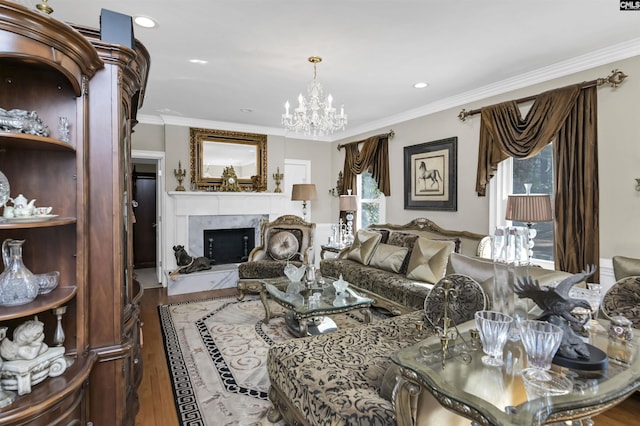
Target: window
(371,202)
(510,178)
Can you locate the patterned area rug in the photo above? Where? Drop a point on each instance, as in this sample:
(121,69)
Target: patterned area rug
(217,351)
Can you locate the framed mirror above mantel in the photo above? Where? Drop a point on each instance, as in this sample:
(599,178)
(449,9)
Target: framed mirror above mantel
(214,152)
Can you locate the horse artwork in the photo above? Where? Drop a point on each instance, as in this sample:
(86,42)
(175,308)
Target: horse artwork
(188,264)
(430,176)
(433,175)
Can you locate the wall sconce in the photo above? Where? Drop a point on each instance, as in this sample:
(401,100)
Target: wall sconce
(337,191)
(637,184)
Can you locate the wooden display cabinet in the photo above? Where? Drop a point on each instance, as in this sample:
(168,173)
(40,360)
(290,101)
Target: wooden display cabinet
(56,70)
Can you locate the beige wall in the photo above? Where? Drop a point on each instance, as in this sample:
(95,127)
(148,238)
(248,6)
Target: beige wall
(619,148)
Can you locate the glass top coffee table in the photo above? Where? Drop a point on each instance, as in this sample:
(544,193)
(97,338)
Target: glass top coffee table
(497,395)
(308,309)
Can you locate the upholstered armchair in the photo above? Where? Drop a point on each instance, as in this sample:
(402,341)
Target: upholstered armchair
(287,239)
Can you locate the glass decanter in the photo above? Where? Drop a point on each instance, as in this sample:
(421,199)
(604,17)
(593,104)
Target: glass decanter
(17,284)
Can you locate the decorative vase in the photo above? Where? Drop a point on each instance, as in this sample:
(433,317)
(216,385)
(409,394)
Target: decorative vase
(17,284)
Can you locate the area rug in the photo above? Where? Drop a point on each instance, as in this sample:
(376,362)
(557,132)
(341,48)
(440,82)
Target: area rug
(217,351)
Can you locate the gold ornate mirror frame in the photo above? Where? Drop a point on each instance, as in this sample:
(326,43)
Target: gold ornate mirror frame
(211,150)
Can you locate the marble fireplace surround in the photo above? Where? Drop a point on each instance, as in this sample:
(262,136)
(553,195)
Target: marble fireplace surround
(189,213)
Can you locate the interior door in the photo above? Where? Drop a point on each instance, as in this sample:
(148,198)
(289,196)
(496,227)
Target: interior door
(144,229)
(296,171)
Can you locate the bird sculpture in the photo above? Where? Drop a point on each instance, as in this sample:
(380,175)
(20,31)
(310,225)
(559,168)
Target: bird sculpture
(556,305)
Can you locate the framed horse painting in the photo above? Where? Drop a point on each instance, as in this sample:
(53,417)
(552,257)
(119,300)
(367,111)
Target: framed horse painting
(431,176)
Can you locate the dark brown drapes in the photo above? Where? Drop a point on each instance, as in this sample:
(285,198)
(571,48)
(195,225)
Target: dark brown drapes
(567,115)
(373,156)
(577,222)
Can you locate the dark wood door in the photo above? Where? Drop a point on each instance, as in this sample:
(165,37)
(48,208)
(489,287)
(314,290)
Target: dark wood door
(144,229)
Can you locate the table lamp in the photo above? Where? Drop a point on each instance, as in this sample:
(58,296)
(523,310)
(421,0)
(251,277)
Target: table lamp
(349,205)
(529,208)
(304,192)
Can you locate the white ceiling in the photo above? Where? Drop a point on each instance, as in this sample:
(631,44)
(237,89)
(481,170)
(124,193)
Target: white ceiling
(373,52)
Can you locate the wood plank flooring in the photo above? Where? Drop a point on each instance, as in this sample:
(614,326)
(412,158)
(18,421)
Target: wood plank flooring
(156,397)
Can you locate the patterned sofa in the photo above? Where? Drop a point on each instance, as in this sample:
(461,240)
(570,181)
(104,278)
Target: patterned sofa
(322,380)
(402,289)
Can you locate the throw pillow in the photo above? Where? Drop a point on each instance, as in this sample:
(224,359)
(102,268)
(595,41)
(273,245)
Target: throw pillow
(383,232)
(403,239)
(364,246)
(429,260)
(388,257)
(283,245)
(624,267)
(457,242)
(481,270)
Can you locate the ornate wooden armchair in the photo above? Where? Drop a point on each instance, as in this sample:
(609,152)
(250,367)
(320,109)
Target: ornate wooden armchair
(287,239)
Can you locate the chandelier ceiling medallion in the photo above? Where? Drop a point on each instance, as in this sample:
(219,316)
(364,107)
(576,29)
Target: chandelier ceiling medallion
(314,115)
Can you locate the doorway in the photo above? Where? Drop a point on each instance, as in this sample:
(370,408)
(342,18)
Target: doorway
(147,190)
(296,171)
(144,232)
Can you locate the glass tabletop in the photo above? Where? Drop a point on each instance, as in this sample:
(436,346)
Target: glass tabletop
(320,298)
(498,393)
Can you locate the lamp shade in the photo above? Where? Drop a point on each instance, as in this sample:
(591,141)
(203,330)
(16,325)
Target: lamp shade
(529,208)
(303,192)
(348,203)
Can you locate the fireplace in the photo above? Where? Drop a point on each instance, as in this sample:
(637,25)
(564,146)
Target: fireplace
(189,214)
(227,225)
(223,246)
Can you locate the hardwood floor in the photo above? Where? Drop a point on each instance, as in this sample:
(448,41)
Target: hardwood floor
(156,397)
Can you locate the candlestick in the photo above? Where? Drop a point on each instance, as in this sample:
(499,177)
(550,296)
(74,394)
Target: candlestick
(180,173)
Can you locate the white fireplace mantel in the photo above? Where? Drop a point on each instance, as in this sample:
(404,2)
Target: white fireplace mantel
(223,203)
(180,205)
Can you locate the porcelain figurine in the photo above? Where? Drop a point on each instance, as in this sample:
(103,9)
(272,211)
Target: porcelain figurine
(27,343)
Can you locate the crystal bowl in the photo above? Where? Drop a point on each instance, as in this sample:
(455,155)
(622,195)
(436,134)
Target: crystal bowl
(47,282)
(557,384)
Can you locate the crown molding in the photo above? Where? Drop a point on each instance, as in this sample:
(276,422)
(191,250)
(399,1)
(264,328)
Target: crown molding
(588,61)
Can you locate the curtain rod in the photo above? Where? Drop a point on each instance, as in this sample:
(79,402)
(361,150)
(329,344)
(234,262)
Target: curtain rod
(616,78)
(390,135)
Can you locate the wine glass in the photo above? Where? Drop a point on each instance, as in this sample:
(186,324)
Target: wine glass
(494,330)
(541,341)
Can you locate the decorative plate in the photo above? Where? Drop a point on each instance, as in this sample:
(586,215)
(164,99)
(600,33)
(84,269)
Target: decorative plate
(623,299)
(27,219)
(466,297)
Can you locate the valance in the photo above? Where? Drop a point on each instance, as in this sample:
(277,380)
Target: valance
(373,156)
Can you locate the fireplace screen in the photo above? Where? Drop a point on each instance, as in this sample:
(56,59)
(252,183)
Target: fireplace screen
(224,246)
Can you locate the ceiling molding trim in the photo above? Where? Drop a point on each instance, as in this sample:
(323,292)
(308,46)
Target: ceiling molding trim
(591,60)
(588,61)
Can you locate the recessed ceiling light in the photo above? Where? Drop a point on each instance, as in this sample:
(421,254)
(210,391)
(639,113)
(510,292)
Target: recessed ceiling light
(145,22)
(198,61)
(420,85)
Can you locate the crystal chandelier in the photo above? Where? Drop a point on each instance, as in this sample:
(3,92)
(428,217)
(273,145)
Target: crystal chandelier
(314,115)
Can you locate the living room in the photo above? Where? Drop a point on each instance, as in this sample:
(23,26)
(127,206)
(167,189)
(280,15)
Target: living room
(163,138)
(617,136)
